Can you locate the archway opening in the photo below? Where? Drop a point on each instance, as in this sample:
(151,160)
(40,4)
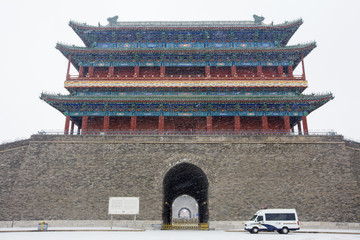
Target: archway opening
(185,209)
(183,180)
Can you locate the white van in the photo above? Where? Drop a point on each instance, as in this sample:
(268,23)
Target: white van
(280,220)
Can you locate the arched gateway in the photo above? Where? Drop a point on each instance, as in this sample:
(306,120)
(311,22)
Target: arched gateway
(185,179)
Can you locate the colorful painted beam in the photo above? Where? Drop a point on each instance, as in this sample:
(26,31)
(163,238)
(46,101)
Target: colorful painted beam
(185,84)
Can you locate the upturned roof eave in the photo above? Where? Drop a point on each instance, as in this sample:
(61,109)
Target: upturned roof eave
(311,105)
(285,41)
(187,99)
(81,36)
(186,25)
(81,28)
(293,48)
(73,50)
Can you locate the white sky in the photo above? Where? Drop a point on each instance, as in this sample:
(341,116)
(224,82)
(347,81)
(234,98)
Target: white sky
(30,63)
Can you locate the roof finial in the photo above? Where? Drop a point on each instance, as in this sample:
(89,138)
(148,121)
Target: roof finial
(112,20)
(258,19)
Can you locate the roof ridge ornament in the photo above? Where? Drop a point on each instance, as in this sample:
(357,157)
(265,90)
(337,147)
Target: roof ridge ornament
(258,19)
(112,20)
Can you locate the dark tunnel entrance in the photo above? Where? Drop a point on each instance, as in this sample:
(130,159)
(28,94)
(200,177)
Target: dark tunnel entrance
(185,179)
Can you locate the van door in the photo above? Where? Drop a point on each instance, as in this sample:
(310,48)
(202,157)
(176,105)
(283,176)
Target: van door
(260,220)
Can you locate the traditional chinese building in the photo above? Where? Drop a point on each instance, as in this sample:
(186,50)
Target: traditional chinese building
(182,77)
(198,77)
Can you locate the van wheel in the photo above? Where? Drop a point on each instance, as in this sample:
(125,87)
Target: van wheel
(285,230)
(254,230)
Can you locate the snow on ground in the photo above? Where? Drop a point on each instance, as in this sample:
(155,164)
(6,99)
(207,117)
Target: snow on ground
(172,235)
(28,229)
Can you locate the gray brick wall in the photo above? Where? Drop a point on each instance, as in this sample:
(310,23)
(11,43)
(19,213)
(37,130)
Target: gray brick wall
(72,177)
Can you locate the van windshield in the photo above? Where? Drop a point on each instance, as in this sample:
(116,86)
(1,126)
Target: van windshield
(253,218)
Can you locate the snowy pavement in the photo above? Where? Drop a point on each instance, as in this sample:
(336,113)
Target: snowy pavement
(172,235)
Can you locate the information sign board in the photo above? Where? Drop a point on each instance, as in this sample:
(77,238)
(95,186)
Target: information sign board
(124,205)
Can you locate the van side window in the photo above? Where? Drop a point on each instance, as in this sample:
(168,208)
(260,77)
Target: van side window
(260,218)
(280,216)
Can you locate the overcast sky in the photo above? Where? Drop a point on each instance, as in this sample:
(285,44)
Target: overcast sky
(30,63)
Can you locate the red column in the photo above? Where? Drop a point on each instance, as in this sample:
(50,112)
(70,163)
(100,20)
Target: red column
(68,68)
(72,127)
(305,125)
(161,124)
(133,123)
(111,71)
(207,71)
(136,71)
(81,71)
(237,123)
(84,124)
(91,71)
(209,125)
(303,67)
(265,124)
(233,71)
(259,71)
(280,70)
(287,123)
(299,128)
(290,71)
(106,123)
(162,71)
(67,124)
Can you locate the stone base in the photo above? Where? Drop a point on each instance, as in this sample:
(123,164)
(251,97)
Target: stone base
(72,177)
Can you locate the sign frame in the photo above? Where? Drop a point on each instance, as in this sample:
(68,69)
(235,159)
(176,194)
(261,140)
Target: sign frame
(123,206)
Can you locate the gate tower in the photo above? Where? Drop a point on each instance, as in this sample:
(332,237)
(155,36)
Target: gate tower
(198,77)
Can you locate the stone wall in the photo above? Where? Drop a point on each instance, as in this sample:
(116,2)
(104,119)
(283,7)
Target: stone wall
(72,177)
(354,152)
(11,156)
